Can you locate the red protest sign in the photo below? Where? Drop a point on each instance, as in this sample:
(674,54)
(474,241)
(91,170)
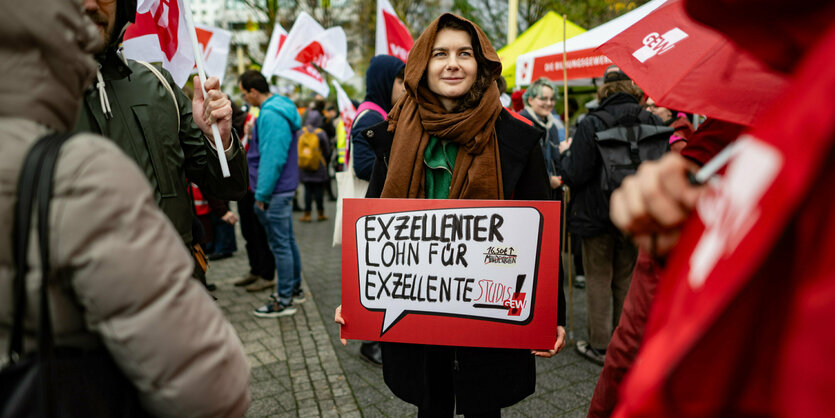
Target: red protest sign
(451,272)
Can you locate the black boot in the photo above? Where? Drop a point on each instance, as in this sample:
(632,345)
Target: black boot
(371,352)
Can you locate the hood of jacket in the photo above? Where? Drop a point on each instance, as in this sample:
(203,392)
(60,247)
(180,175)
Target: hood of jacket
(314,119)
(379,79)
(284,107)
(46,61)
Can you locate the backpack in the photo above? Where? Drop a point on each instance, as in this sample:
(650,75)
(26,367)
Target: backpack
(310,155)
(625,144)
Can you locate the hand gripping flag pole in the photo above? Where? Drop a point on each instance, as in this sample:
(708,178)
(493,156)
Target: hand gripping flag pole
(198,60)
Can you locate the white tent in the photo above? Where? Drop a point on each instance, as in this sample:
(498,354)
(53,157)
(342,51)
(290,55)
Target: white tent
(583,62)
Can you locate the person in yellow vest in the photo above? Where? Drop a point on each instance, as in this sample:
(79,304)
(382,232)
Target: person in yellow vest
(341,142)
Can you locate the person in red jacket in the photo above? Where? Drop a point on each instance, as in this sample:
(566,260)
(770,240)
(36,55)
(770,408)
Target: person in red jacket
(740,321)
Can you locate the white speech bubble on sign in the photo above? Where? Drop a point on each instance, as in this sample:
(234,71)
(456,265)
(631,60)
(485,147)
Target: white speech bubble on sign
(477,263)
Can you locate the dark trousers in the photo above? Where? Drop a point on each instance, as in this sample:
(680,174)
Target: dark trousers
(577,255)
(314,190)
(439,401)
(261,260)
(609,260)
(223,236)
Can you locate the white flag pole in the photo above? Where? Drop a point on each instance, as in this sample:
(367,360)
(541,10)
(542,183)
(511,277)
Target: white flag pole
(198,59)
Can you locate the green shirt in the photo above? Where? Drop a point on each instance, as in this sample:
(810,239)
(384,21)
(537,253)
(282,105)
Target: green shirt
(440,161)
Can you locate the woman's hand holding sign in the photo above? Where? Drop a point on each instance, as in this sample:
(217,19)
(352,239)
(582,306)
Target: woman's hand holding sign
(558,346)
(337,317)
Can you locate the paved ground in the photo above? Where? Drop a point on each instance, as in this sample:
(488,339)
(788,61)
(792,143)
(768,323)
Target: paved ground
(299,368)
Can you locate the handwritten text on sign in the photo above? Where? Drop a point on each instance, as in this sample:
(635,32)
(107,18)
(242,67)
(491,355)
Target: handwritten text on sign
(472,262)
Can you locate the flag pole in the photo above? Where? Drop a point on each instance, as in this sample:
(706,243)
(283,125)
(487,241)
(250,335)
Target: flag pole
(201,72)
(512,13)
(567,194)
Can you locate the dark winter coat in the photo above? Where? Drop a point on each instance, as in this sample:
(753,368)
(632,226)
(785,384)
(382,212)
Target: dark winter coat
(144,126)
(581,166)
(484,378)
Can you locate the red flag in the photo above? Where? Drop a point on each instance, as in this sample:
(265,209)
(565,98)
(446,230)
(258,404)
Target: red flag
(739,324)
(304,74)
(159,35)
(347,111)
(686,66)
(393,38)
(309,43)
(214,43)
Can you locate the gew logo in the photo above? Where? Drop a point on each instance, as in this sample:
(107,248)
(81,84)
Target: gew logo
(655,44)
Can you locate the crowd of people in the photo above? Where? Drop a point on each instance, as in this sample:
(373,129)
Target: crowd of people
(668,275)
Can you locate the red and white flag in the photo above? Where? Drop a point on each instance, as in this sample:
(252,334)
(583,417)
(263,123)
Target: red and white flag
(159,35)
(347,111)
(276,42)
(393,38)
(309,43)
(304,74)
(214,43)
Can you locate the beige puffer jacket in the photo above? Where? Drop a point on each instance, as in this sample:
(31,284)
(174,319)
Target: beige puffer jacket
(124,275)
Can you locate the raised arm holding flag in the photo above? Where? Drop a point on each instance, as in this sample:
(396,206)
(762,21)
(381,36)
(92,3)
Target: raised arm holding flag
(145,113)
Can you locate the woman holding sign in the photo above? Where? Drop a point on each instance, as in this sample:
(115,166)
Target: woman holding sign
(448,137)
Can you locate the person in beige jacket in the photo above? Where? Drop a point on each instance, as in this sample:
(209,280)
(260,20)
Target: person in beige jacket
(122,272)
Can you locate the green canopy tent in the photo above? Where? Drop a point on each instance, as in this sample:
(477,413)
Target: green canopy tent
(544,32)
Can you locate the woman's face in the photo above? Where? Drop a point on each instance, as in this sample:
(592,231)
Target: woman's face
(543,104)
(452,66)
(662,112)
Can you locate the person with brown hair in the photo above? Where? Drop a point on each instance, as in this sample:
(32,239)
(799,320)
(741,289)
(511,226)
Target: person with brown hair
(448,137)
(608,256)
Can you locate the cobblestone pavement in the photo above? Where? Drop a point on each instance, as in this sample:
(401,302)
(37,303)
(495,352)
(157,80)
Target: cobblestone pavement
(299,368)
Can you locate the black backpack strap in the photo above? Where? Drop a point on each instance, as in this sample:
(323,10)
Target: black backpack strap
(34,186)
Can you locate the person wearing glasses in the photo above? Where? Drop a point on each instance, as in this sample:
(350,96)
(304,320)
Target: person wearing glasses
(539,102)
(674,119)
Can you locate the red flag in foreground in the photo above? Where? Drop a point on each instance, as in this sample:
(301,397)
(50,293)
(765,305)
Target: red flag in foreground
(159,35)
(739,324)
(686,66)
(393,38)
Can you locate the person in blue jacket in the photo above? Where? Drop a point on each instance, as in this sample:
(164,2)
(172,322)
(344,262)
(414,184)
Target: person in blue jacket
(274,175)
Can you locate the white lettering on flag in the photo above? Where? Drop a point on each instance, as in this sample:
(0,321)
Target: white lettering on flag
(655,44)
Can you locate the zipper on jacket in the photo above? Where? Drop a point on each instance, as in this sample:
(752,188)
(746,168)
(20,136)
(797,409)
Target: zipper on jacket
(455,359)
(426,163)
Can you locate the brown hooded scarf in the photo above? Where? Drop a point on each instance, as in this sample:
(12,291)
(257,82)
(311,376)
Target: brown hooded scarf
(419,114)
